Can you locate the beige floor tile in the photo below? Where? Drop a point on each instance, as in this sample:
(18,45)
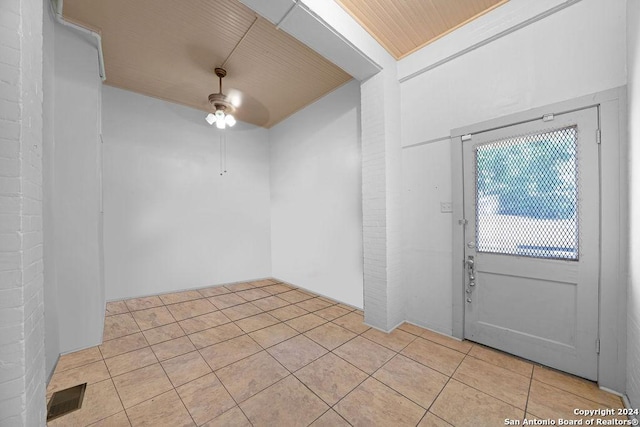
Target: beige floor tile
(434,355)
(270,303)
(205,398)
(507,361)
(412,380)
(294,296)
(177,297)
(314,304)
(142,384)
(306,322)
(153,317)
(273,335)
(249,376)
(276,289)
(461,346)
(172,348)
(213,291)
(130,361)
(575,385)
(330,335)
(118,420)
(288,312)
(143,303)
(365,354)
(163,410)
(78,358)
(236,287)
(296,352)
(259,321)
(331,378)
(374,404)
(412,329)
(464,406)
(333,312)
(122,345)
(205,321)
(241,311)
(226,300)
(430,420)
(263,282)
(90,373)
(100,401)
(353,321)
(495,381)
(163,333)
(185,368)
(346,307)
(395,340)
(232,418)
(227,352)
(330,419)
(187,309)
(253,294)
(119,325)
(286,403)
(116,307)
(215,335)
(546,401)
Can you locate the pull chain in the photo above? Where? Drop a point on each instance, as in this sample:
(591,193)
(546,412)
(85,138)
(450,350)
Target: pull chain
(223,153)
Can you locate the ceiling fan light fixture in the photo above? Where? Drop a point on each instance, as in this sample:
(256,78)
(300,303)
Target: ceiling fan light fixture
(223,105)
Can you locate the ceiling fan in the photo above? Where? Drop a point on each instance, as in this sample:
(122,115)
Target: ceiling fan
(223,106)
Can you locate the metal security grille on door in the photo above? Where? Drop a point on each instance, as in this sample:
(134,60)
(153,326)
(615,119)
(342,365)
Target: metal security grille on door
(526,195)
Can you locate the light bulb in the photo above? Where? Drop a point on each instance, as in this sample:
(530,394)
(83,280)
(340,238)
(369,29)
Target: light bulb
(210,118)
(219,114)
(220,122)
(230,120)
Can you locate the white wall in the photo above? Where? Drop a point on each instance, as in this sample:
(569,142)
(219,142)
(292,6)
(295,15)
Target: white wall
(171,222)
(76,188)
(316,210)
(52,333)
(577,51)
(22,361)
(633,312)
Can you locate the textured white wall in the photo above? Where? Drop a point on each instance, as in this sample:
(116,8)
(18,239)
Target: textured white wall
(316,213)
(52,333)
(171,222)
(75,200)
(22,361)
(577,51)
(633,313)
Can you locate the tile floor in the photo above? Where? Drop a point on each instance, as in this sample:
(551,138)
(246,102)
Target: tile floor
(268,354)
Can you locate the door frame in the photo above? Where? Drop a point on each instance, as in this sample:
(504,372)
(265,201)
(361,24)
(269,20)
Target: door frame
(612,121)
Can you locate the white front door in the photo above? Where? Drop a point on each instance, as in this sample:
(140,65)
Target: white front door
(531,201)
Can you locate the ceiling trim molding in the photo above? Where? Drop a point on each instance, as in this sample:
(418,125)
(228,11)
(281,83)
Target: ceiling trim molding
(302,21)
(408,68)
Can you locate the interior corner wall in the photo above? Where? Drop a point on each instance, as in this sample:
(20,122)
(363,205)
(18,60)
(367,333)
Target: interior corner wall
(51,311)
(75,189)
(577,51)
(633,309)
(171,220)
(316,210)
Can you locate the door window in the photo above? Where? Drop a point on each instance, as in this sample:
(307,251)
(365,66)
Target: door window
(526,195)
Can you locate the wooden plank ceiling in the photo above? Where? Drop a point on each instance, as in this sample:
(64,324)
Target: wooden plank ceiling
(168,49)
(404,26)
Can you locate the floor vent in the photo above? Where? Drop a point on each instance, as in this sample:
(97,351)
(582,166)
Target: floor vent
(64,401)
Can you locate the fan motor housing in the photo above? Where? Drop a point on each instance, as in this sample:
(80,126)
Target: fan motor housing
(220,102)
